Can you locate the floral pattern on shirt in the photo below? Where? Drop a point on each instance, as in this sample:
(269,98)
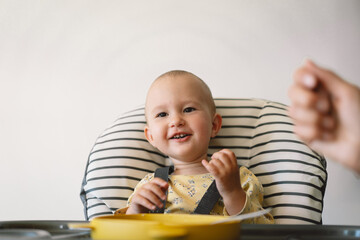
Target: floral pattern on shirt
(186,191)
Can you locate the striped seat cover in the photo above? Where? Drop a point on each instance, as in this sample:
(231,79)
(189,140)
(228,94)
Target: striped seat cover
(259,132)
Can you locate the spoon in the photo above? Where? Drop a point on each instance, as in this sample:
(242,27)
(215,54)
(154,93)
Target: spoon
(241,217)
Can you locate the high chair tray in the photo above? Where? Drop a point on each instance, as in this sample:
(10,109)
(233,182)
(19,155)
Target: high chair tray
(61,230)
(299,232)
(47,229)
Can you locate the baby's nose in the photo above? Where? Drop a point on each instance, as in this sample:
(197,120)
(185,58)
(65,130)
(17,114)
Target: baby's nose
(176,121)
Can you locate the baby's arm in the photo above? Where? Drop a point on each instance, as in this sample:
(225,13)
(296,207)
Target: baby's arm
(223,166)
(148,197)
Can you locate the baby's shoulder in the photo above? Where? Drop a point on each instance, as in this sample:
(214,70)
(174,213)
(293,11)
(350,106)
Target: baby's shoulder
(246,173)
(148,177)
(244,169)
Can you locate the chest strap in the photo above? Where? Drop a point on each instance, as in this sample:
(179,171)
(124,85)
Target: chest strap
(206,203)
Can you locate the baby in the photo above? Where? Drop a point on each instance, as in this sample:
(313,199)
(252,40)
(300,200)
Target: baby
(181,119)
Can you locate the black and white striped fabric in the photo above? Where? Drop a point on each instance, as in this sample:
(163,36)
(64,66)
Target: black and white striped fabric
(259,132)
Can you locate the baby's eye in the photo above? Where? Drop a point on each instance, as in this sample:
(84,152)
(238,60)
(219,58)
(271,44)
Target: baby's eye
(162,114)
(189,109)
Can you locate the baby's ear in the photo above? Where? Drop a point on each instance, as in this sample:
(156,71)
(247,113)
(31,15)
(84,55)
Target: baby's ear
(216,124)
(148,135)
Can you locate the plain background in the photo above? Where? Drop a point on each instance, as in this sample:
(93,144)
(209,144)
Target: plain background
(69,68)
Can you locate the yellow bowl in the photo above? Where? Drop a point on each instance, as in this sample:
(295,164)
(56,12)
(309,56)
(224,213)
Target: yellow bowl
(161,226)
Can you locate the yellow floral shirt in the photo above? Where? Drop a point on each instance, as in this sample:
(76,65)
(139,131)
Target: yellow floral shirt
(186,191)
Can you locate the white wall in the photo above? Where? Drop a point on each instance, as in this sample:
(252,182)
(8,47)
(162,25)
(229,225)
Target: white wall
(69,68)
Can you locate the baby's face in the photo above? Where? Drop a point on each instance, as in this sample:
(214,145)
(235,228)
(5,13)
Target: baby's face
(179,118)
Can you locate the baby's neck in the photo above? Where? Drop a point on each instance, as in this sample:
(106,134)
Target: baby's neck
(189,169)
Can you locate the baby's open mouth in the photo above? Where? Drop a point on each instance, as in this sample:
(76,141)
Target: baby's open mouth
(179,136)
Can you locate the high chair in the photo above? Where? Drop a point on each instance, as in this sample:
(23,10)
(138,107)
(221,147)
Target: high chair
(258,131)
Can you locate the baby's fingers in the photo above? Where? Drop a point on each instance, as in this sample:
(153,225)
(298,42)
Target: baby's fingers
(215,166)
(206,164)
(148,199)
(158,187)
(144,202)
(224,159)
(154,199)
(162,184)
(151,194)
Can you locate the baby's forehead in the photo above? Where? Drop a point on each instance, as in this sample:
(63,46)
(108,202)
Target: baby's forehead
(189,81)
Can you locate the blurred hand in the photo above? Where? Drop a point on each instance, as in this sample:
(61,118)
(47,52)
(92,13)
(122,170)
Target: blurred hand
(326,113)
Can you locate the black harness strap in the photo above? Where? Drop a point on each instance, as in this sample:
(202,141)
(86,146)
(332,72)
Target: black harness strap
(163,173)
(206,203)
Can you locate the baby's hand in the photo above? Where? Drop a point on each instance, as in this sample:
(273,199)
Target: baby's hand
(148,196)
(223,166)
